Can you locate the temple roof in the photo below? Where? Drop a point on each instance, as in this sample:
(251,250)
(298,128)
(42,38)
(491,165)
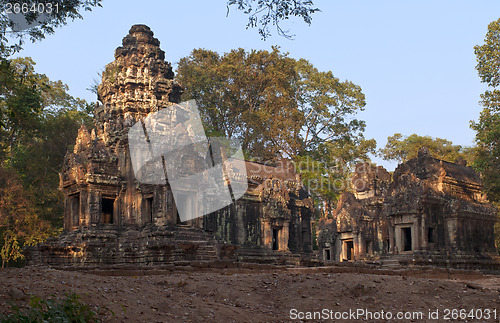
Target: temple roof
(460,173)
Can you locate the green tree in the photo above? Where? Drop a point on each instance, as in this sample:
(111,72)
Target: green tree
(402,148)
(19,224)
(20,104)
(265,13)
(245,96)
(279,107)
(35,132)
(11,41)
(488,126)
(40,160)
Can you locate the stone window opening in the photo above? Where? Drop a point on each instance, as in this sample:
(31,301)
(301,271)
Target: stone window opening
(107,210)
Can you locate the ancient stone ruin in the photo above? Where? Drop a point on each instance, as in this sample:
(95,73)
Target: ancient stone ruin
(111,218)
(430,212)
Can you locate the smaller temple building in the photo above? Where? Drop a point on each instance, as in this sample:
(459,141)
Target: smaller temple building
(430,212)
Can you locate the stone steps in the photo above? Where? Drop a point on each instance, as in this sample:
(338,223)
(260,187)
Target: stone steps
(394,261)
(390,263)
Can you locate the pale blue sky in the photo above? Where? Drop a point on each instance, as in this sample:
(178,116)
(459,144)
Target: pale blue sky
(414,60)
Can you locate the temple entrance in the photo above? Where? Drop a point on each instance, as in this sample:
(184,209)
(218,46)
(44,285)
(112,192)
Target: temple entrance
(276,245)
(430,235)
(107,208)
(326,254)
(406,236)
(348,250)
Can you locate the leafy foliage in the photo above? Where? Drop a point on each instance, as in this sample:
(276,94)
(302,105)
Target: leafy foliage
(39,121)
(68,9)
(68,309)
(19,224)
(249,97)
(263,13)
(402,148)
(488,126)
(20,103)
(279,107)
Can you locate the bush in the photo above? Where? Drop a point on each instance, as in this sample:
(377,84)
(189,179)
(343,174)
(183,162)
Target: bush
(69,309)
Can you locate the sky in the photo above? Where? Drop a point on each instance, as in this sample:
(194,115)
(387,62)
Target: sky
(414,60)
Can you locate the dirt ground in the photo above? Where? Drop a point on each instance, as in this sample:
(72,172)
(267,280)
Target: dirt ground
(265,295)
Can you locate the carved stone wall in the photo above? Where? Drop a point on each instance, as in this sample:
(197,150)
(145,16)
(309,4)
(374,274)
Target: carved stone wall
(431,211)
(112,218)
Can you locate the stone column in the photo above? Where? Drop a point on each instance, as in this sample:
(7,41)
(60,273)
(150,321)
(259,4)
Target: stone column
(423,231)
(284,235)
(397,246)
(240,223)
(267,236)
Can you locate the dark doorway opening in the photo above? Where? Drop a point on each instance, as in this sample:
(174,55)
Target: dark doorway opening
(275,239)
(327,254)
(406,239)
(349,245)
(430,235)
(107,207)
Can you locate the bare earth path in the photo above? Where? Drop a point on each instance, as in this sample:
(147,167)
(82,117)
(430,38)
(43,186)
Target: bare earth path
(261,295)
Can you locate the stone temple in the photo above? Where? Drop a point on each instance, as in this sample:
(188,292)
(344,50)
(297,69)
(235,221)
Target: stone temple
(111,218)
(430,212)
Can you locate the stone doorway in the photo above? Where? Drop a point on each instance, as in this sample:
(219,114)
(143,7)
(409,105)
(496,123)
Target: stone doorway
(276,243)
(407,239)
(326,254)
(348,246)
(107,210)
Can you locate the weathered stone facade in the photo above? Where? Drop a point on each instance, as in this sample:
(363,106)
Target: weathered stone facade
(431,212)
(111,218)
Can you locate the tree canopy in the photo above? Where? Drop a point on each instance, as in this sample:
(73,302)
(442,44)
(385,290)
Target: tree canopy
(488,126)
(265,13)
(11,39)
(39,121)
(401,148)
(279,107)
